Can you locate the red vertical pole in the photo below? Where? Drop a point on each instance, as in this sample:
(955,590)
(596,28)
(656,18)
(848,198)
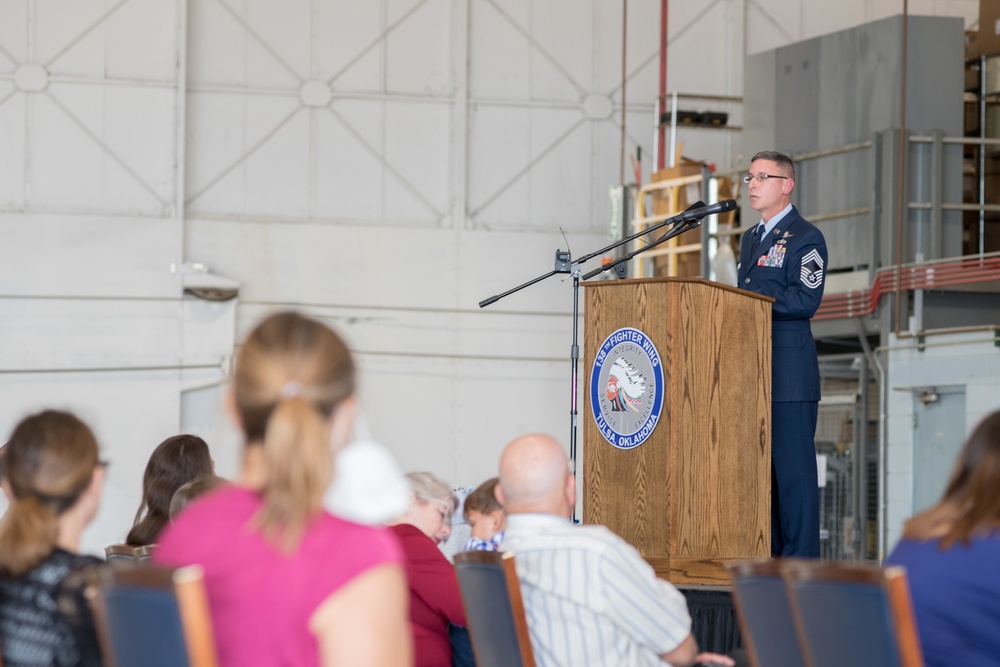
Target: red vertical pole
(661,132)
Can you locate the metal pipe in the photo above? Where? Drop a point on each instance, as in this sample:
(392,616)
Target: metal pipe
(660,132)
(901,211)
(112,369)
(180,129)
(836,215)
(621,167)
(936,243)
(862,145)
(982,154)
(929,139)
(859,469)
(926,206)
(992,328)
(875,207)
(883,437)
(657,135)
(711,98)
(846,148)
(673,130)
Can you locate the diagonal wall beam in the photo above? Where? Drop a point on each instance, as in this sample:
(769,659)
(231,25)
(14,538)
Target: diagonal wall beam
(770,18)
(76,40)
(519,175)
(381,158)
(9,95)
(107,149)
(9,56)
(375,42)
(260,40)
(538,47)
(253,149)
(656,55)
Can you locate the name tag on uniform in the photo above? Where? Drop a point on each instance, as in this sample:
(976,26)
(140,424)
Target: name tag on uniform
(774,258)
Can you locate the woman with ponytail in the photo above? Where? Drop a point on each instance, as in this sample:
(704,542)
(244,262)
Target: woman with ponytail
(288,583)
(54,480)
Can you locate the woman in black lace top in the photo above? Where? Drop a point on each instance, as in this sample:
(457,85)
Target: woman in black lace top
(55,479)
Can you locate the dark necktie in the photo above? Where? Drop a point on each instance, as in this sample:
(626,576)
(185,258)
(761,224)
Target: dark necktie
(758,232)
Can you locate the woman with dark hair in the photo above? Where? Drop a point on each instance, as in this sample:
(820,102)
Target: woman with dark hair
(55,480)
(951,552)
(175,462)
(290,585)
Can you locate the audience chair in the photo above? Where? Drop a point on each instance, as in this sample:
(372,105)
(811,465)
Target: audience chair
(119,552)
(145,552)
(494,610)
(149,616)
(853,614)
(765,614)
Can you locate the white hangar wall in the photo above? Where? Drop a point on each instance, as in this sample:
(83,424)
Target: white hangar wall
(381,164)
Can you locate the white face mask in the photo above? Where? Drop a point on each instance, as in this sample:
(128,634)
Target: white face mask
(368,485)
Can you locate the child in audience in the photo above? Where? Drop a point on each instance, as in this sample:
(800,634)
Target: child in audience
(486,518)
(54,479)
(175,461)
(191,490)
(290,585)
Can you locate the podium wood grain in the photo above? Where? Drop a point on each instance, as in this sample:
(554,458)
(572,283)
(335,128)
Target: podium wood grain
(696,494)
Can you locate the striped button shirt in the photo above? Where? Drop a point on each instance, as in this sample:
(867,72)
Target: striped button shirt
(589,597)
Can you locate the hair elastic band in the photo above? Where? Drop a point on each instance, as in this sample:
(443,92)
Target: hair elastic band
(291,389)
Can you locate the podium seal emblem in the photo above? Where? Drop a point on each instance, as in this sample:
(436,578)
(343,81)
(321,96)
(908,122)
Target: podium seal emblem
(626,388)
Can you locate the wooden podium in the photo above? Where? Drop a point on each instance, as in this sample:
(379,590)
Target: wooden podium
(696,494)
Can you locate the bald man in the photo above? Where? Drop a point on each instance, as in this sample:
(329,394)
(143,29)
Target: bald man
(589,596)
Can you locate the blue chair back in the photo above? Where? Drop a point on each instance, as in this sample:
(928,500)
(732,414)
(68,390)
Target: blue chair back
(491,595)
(853,614)
(765,615)
(150,616)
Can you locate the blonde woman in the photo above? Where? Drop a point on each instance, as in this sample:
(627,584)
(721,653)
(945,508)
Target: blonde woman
(54,480)
(435,601)
(289,584)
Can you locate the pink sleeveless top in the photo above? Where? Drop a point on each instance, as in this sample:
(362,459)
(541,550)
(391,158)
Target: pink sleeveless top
(260,598)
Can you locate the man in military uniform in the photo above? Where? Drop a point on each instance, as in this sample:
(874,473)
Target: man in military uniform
(784,257)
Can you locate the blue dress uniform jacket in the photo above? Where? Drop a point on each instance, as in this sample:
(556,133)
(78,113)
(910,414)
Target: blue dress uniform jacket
(788,265)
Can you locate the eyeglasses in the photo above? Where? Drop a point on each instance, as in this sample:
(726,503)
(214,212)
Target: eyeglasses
(760,178)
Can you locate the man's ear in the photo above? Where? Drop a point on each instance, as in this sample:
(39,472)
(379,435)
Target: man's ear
(498,494)
(570,490)
(787,186)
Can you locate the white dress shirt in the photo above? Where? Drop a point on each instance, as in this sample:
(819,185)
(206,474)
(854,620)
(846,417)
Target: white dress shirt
(589,597)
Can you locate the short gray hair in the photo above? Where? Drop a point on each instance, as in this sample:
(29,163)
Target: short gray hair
(780,159)
(429,488)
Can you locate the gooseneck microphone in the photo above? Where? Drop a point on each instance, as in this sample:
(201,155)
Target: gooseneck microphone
(713,209)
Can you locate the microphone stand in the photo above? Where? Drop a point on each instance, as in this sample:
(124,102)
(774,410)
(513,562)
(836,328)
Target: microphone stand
(619,263)
(565,264)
